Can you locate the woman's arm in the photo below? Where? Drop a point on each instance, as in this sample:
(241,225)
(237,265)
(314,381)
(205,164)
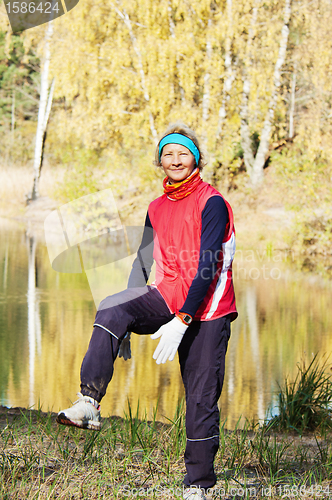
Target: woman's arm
(142,264)
(214,222)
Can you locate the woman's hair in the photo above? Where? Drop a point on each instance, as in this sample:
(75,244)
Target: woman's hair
(181,128)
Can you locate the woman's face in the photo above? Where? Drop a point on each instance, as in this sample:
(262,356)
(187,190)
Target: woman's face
(177,161)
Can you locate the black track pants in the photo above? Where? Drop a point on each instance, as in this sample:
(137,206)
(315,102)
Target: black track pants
(202,360)
(140,310)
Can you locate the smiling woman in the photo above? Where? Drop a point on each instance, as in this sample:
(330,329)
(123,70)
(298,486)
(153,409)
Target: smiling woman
(189,307)
(188,138)
(178,162)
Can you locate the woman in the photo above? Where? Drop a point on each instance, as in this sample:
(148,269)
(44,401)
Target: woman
(189,233)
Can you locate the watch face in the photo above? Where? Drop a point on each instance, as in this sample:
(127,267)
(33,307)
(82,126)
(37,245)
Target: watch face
(187,319)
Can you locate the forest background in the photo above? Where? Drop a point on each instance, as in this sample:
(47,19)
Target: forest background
(253,78)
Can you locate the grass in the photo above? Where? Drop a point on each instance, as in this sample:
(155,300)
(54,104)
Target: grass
(305,403)
(138,458)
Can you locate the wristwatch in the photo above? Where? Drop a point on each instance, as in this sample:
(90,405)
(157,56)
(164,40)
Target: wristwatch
(185,318)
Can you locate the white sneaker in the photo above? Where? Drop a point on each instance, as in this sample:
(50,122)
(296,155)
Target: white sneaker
(194,493)
(84,413)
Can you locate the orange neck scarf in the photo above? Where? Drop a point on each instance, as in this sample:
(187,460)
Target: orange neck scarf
(182,189)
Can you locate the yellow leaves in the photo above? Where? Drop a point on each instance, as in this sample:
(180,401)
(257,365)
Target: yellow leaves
(111,87)
(4,22)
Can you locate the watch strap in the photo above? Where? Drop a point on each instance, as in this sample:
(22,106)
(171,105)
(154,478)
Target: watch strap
(185,318)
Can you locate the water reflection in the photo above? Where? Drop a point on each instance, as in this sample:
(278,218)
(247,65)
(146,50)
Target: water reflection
(45,327)
(34,323)
(5,267)
(248,327)
(252,313)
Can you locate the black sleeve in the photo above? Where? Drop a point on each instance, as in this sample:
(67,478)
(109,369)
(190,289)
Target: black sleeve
(214,221)
(141,268)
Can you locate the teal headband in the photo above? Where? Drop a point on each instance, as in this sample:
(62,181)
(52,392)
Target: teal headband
(180,139)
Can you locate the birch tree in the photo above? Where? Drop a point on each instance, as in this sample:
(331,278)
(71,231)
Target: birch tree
(178,65)
(229,74)
(45,104)
(206,85)
(255,165)
(137,50)
(292,104)
(244,113)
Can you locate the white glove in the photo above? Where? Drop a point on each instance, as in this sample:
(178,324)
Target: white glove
(124,350)
(171,335)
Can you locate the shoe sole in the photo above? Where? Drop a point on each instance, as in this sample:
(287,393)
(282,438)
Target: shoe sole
(90,424)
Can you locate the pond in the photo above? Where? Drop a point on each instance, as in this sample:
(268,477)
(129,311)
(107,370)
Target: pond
(46,318)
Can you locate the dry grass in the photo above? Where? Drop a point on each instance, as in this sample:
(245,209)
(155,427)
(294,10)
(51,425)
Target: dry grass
(16,182)
(133,458)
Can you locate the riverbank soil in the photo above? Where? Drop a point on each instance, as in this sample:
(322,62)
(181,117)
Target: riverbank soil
(140,459)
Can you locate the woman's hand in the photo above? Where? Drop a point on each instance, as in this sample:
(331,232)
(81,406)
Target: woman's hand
(171,335)
(124,350)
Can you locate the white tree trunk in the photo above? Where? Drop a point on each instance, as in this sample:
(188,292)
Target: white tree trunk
(244,113)
(208,171)
(49,104)
(292,105)
(178,67)
(41,125)
(248,156)
(206,86)
(144,88)
(258,166)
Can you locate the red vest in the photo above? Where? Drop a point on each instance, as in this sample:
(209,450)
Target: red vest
(177,226)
